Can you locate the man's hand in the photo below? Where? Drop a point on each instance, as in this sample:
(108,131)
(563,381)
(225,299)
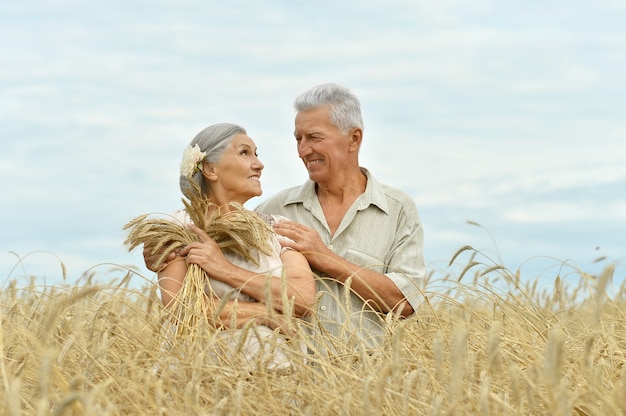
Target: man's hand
(151,260)
(305,240)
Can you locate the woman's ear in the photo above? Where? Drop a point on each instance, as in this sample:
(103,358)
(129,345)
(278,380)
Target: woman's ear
(209,172)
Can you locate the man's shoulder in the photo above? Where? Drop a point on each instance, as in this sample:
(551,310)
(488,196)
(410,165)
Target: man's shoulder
(279,199)
(400,204)
(286,194)
(395,195)
(391,193)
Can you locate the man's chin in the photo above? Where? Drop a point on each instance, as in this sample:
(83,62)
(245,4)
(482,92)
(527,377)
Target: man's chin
(315,176)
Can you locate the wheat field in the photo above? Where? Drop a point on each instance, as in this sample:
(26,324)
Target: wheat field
(485,341)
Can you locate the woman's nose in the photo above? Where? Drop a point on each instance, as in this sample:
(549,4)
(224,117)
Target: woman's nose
(258,164)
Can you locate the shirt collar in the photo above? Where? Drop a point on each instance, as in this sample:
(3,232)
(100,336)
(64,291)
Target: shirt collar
(373,195)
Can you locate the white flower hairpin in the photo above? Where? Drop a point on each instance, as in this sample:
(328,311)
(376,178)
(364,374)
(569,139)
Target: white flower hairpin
(192,160)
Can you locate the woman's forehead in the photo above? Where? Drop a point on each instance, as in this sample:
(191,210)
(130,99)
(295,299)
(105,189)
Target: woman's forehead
(242,140)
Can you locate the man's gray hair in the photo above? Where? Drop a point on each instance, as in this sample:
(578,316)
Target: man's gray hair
(345,108)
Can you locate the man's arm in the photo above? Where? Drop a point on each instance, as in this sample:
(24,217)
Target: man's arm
(376,287)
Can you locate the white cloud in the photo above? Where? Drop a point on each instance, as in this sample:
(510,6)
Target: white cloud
(480,111)
(554,212)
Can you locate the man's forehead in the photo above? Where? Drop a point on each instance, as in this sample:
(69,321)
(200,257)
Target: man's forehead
(309,131)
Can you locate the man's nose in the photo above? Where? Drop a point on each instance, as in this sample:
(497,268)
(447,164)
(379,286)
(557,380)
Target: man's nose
(304,148)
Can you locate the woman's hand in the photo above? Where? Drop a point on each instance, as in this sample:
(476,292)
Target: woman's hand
(206,254)
(300,285)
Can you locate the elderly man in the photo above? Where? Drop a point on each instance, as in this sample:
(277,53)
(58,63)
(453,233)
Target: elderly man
(354,231)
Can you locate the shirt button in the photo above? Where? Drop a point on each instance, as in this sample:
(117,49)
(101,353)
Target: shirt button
(323,307)
(330,246)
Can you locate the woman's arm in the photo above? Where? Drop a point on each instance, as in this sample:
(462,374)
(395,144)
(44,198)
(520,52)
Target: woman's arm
(299,283)
(298,286)
(251,311)
(171,280)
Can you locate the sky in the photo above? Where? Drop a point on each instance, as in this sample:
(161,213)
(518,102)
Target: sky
(504,121)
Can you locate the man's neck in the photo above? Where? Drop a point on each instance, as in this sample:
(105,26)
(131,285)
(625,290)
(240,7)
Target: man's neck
(342,189)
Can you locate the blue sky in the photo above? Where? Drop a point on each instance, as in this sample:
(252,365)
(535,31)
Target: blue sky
(511,115)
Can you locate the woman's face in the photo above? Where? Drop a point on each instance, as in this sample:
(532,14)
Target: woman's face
(236,176)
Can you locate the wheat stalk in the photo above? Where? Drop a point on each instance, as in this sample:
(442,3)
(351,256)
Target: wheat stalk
(233,228)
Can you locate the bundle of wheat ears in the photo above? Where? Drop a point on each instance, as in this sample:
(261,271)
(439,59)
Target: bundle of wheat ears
(233,228)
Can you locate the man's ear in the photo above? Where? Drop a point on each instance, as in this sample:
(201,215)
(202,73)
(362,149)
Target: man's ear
(356,137)
(209,172)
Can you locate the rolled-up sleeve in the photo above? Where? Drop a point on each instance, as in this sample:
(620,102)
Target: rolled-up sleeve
(405,264)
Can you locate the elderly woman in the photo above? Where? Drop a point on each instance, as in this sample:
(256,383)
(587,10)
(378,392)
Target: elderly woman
(268,284)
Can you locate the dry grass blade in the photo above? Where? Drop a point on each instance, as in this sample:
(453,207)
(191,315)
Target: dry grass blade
(458,252)
(233,228)
(487,348)
(466,269)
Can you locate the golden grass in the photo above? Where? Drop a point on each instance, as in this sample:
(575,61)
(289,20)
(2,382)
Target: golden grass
(483,343)
(232,227)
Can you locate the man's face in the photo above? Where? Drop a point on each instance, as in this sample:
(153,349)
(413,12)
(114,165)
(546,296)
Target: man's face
(324,150)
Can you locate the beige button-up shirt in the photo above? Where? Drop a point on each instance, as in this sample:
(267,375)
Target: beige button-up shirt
(381,231)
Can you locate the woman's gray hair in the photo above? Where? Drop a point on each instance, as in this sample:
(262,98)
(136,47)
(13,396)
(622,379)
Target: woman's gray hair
(345,108)
(214,141)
